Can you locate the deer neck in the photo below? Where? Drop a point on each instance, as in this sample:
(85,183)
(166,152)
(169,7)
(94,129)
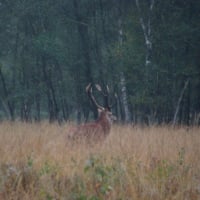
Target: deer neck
(105,122)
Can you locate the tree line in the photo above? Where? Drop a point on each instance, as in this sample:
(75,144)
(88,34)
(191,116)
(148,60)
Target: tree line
(146,51)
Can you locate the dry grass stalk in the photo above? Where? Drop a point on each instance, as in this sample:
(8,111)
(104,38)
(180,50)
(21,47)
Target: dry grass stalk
(38,162)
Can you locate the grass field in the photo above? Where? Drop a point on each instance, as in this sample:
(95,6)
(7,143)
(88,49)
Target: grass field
(38,162)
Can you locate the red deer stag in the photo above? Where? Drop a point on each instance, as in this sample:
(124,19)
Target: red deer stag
(99,129)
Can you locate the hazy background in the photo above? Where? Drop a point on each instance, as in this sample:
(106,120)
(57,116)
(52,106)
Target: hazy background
(147,51)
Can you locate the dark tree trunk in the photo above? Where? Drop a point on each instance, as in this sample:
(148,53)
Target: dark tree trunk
(8,103)
(52,101)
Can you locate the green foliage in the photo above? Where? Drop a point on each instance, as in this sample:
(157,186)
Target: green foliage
(48,168)
(30,161)
(101,175)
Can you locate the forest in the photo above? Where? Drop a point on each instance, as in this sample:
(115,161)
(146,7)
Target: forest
(146,52)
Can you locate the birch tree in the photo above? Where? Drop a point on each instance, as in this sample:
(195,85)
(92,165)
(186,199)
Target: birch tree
(146,28)
(124,96)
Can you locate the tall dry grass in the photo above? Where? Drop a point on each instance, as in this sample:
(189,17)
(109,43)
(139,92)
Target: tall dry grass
(38,161)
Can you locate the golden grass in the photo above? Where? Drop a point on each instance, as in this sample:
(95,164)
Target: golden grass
(38,161)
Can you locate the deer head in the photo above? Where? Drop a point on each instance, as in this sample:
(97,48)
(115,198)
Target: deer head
(100,128)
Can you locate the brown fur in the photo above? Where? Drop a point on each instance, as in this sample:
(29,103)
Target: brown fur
(97,130)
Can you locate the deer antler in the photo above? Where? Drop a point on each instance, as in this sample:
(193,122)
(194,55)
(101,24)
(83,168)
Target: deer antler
(90,95)
(105,94)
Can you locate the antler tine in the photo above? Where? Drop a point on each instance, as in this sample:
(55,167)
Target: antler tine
(114,101)
(90,95)
(105,94)
(109,106)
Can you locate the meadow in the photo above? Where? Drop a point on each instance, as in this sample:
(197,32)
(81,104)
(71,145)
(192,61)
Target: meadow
(39,162)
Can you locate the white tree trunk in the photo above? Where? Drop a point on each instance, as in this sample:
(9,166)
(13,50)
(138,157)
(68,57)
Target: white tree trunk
(179,102)
(124,98)
(146,27)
